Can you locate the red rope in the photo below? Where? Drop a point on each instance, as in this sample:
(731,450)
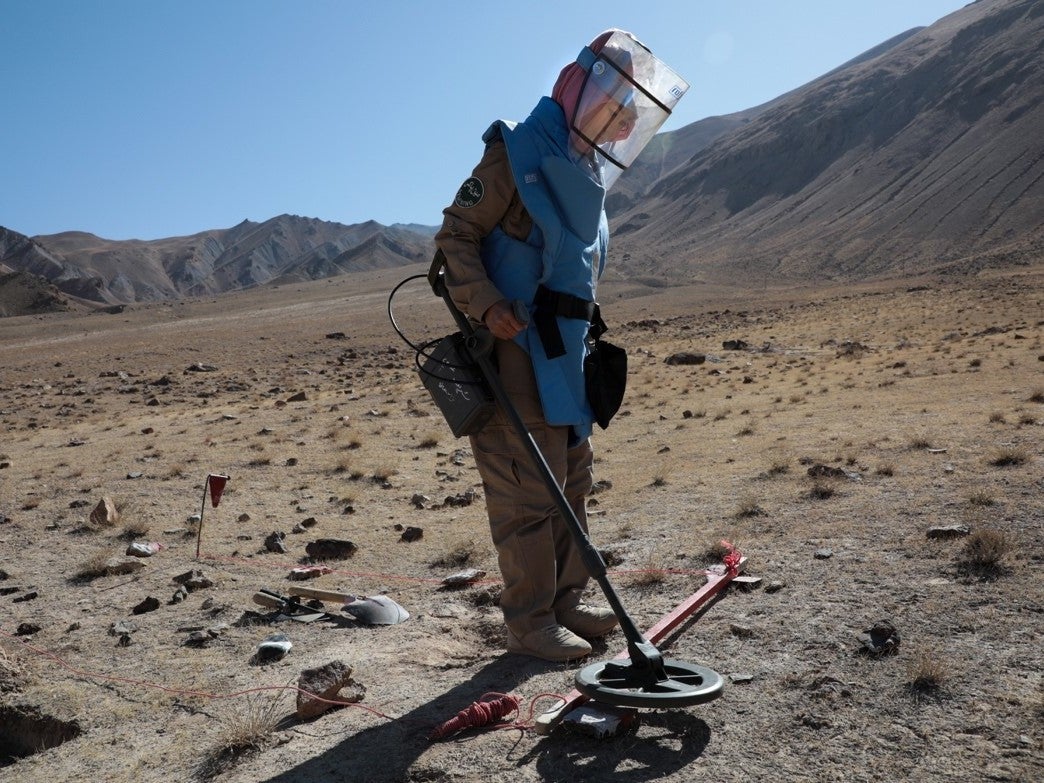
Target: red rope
(731,558)
(479,713)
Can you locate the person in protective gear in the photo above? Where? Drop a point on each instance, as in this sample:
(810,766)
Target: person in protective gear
(529,227)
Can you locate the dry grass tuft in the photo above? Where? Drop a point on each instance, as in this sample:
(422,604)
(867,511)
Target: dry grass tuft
(749,507)
(134,529)
(984,552)
(822,489)
(460,554)
(981,498)
(649,575)
(246,727)
(95,566)
(926,674)
(1009,456)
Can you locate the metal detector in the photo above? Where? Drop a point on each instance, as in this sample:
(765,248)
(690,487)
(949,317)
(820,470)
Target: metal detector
(645,678)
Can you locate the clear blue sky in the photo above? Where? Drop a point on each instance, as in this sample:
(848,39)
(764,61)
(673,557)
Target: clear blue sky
(154,118)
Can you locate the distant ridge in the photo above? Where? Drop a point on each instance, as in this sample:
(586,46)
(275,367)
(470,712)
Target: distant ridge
(924,154)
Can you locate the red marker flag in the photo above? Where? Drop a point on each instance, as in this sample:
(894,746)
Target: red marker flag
(217,486)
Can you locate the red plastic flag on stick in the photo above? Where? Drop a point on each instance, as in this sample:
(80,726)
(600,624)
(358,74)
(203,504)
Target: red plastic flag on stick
(215,483)
(217,486)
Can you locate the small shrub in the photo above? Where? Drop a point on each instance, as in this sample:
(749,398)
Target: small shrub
(997,418)
(885,469)
(749,508)
(134,528)
(1037,396)
(246,727)
(95,566)
(822,490)
(459,555)
(649,576)
(926,673)
(429,441)
(981,498)
(984,552)
(1008,456)
(919,443)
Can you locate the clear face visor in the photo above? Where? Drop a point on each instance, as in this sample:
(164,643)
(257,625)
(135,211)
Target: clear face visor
(627,95)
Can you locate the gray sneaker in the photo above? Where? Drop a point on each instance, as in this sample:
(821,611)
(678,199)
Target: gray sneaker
(587,621)
(552,643)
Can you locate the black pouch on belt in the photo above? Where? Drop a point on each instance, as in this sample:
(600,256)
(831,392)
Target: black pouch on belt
(605,374)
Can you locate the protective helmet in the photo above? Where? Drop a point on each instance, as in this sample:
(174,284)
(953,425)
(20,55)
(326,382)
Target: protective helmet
(625,96)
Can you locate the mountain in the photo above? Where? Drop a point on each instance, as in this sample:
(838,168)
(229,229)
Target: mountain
(923,154)
(927,155)
(285,248)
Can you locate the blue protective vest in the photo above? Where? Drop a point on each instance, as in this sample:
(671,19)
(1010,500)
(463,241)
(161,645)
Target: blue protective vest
(565,252)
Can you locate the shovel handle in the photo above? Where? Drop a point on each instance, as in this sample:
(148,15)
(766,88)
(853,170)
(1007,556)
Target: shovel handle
(270,601)
(322,595)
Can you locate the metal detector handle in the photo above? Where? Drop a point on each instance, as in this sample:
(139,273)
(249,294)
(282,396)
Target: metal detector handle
(479,345)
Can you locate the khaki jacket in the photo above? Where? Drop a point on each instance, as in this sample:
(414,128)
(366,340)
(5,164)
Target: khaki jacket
(464,227)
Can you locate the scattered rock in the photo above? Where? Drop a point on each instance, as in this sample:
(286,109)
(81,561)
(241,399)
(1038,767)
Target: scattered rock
(319,686)
(735,345)
(122,626)
(274,542)
(200,367)
(299,397)
(466,577)
(742,631)
(198,639)
(823,554)
(775,586)
(27,629)
(308,572)
(825,471)
(105,513)
(880,639)
(143,548)
(179,595)
(32,595)
(418,500)
(948,531)
(330,549)
(150,604)
(412,534)
(685,358)
(739,677)
(193,580)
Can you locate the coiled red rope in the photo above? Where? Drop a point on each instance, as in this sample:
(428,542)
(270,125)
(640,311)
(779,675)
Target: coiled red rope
(731,558)
(483,712)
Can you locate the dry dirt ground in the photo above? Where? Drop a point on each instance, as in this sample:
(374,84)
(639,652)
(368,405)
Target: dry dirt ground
(925,398)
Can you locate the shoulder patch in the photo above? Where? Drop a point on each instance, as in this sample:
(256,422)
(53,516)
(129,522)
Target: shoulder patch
(470,193)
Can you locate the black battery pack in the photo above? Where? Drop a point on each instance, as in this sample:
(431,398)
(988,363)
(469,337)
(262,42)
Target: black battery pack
(456,385)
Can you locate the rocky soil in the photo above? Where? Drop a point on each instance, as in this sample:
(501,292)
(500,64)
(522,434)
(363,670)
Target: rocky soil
(875,452)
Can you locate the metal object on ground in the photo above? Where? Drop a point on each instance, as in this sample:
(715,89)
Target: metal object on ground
(716,582)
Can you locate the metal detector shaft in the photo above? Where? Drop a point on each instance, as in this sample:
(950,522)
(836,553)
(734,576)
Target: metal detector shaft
(479,344)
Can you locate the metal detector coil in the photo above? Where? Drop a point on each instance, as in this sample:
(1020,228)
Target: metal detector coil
(456,386)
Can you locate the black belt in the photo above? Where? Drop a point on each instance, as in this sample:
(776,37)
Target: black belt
(550,304)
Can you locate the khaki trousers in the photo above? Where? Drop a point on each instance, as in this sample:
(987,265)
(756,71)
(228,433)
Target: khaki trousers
(539,560)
